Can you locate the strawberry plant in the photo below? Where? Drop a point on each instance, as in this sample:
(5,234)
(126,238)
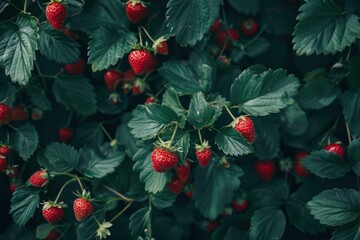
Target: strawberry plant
(180,119)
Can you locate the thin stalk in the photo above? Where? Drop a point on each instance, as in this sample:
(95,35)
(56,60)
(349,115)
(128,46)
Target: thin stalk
(149,225)
(140,37)
(80,184)
(200,138)
(118,194)
(228,110)
(148,35)
(25,6)
(173,135)
(121,212)
(106,132)
(63,187)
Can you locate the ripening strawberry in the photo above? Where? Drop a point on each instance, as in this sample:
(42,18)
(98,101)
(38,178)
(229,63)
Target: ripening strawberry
(3,164)
(5,114)
(265,170)
(56,14)
(183,171)
(250,27)
(203,154)
(18,113)
(53,235)
(12,171)
(12,187)
(175,185)
(299,169)
(188,191)
(215,27)
(14,184)
(53,212)
(129,75)
(65,134)
(136,11)
(230,34)
(39,178)
(163,159)
(111,77)
(150,100)
(161,46)
(138,86)
(240,204)
(142,61)
(83,206)
(245,126)
(76,68)
(114,98)
(209,226)
(335,148)
(5,150)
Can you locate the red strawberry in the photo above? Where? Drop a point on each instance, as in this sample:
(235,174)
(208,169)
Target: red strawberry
(12,171)
(188,191)
(209,226)
(245,126)
(5,150)
(56,14)
(163,159)
(250,27)
(265,170)
(299,169)
(216,26)
(53,235)
(5,113)
(76,68)
(136,11)
(223,35)
(335,148)
(150,100)
(240,204)
(203,154)
(36,114)
(111,77)
(161,46)
(183,171)
(176,185)
(83,206)
(129,75)
(12,187)
(3,164)
(18,113)
(138,87)
(142,61)
(39,178)
(53,212)
(65,134)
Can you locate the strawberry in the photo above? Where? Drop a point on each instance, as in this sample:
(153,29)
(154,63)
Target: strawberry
(83,206)
(14,184)
(203,153)
(39,178)
(299,169)
(216,26)
(111,77)
(222,36)
(142,61)
(209,226)
(53,235)
(19,113)
(36,114)
(12,171)
(5,113)
(150,100)
(227,212)
(163,159)
(65,134)
(175,185)
(245,126)
(56,14)
(5,150)
(250,27)
(138,87)
(126,88)
(183,171)
(3,164)
(188,191)
(76,68)
(161,46)
(265,170)
(114,98)
(129,75)
(136,11)
(53,212)
(335,148)
(240,204)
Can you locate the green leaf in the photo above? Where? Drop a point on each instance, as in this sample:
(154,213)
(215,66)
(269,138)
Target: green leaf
(14,232)
(349,231)
(24,202)
(274,193)
(215,186)
(109,13)
(43,230)
(245,6)
(267,223)
(124,137)
(326,164)
(260,94)
(336,207)
(180,76)
(75,92)
(108,45)
(354,72)
(293,120)
(149,120)
(351,110)
(8,92)
(98,164)
(163,199)
(232,143)
(170,99)
(25,140)
(267,143)
(88,133)
(57,46)
(62,157)
(138,221)
(318,93)
(205,67)
(190,20)
(18,43)
(201,113)
(324,27)
(39,99)
(353,154)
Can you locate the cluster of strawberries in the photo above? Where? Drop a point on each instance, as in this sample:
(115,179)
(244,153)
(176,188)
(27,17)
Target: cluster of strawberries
(11,170)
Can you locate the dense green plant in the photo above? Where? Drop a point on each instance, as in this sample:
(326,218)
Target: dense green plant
(204,68)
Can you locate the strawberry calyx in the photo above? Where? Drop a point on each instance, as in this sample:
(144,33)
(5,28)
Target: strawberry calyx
(203,146)
(134,2)
(166,145)
(139,46)
(85,195)
(50,204)
(114,98)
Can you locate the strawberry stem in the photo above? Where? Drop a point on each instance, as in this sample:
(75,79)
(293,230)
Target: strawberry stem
(228,110)
(147,34)
(69,119)
(173,135)
(140,37)
(63,187)
(200,138)
(118,194)
(106,132)
(25,6)
(121,212)
(149,227)
(79,181)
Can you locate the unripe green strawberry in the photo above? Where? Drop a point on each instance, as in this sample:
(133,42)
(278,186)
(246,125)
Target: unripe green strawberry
(56,14)
(39,179)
